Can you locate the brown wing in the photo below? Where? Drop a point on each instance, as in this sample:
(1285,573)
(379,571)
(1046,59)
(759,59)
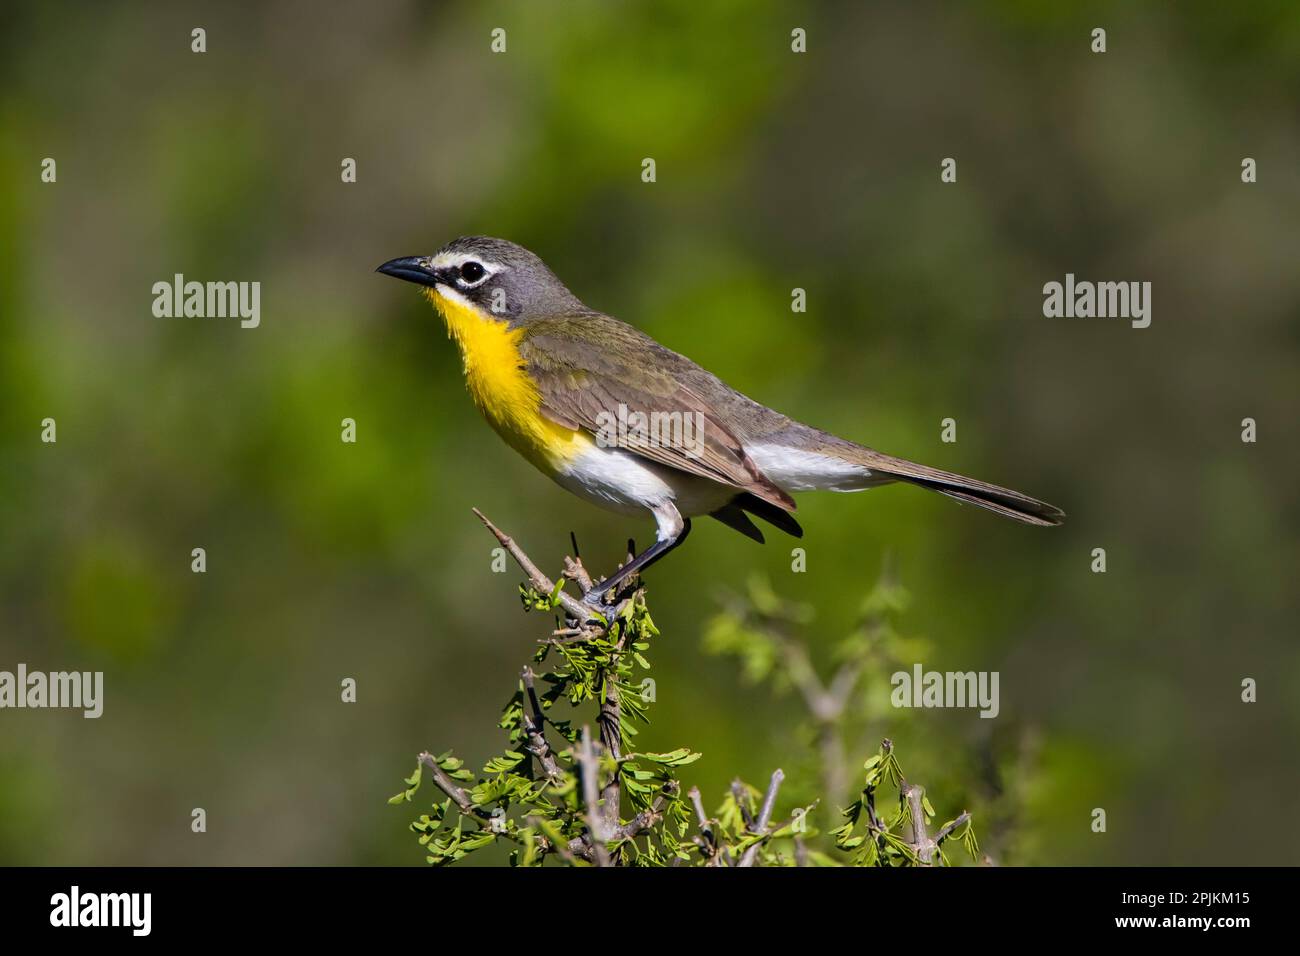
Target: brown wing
(588,366)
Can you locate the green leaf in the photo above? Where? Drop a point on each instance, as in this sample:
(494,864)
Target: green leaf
(676,758)
(508,761)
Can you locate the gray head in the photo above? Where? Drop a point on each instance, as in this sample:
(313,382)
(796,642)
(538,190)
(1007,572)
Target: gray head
(501,279)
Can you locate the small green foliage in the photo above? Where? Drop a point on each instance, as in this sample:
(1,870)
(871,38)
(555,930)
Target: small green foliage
(576,710)
(891,839)
(413,784)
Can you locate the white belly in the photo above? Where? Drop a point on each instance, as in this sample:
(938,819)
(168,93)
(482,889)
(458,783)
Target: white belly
(629,484)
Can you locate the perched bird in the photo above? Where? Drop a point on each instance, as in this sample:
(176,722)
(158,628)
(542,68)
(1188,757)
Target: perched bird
(621,421)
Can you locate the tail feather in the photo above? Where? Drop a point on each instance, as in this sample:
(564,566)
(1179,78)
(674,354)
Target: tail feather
(733,515)
(1003,501)
(993,498)
(797,457)
(777,517)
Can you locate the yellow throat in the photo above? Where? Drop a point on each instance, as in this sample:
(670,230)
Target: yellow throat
(500,387)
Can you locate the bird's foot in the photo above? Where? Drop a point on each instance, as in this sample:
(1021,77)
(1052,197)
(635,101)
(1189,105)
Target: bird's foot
(594,596)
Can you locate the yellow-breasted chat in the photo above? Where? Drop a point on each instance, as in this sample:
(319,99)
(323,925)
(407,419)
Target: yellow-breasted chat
(627,424)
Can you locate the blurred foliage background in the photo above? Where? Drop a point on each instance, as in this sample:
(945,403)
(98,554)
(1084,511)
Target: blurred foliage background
(775,170)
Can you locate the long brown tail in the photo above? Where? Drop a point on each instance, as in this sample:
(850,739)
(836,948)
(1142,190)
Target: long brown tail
(1003,501)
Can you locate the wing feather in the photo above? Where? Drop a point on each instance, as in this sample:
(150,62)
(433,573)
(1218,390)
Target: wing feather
(583,386)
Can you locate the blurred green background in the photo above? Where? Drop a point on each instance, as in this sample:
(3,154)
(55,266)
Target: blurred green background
(775,170)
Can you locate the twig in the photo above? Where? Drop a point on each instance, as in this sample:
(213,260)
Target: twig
(947,831)
(764,815)
(873,818)
(707,840)
(572,636)
(611,737)
(765,812)
(574,569)
(533,727)
(646,818)
(700,815)
(544,585)
(590,769)
(921,843)
(740,794)
(452,789)
(566,853)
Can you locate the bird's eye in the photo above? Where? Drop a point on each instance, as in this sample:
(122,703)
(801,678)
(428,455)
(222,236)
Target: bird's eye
(472,271)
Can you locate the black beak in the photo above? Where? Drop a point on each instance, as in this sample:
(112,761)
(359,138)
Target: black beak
(411,268)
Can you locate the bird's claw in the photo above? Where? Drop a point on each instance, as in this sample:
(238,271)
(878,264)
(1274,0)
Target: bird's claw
(594,598)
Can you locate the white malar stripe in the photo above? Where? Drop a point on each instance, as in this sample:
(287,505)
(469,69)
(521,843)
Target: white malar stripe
(795,469)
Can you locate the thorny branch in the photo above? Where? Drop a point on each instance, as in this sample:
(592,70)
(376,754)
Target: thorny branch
(544,585)
(948,831)
(705,840)
(451,788)
(921,843)
(764,815)
(589,765)
(534,723)
(645,819)
(604,837)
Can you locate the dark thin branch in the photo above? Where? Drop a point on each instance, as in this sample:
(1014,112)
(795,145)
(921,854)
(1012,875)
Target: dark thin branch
(637,825)
(874,822)
(544,585)
(574,569)
(534,725)
(458,794)
(646,818)
(740,794)
(530,687)
(873,818)
(707,839)
(947,831)
(572,635)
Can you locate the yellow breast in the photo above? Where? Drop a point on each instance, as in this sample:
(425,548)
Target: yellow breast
(501,388)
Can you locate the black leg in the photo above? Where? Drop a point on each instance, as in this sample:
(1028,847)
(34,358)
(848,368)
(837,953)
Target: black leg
(639,563)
